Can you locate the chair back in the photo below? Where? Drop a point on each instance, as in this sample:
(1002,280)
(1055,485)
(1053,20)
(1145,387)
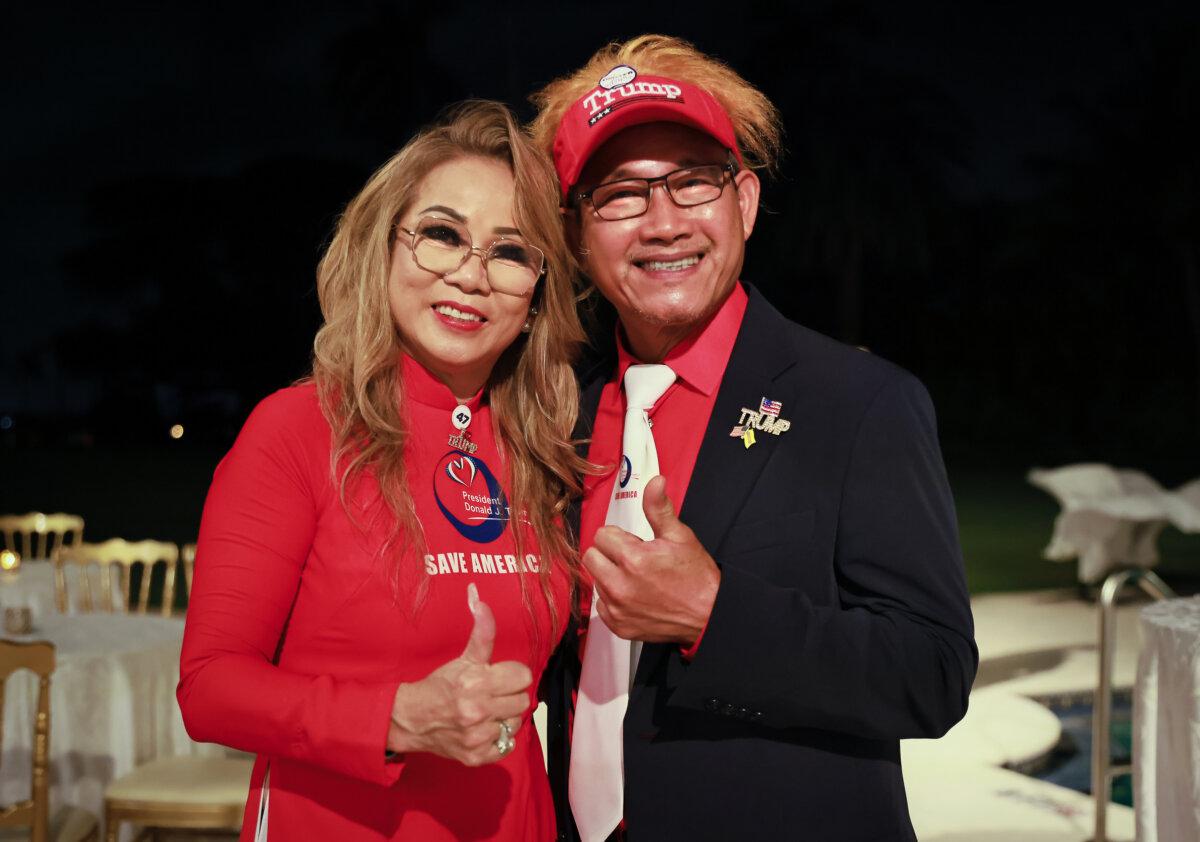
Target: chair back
(37,535)
(187,554)
(118,557)
(34,813)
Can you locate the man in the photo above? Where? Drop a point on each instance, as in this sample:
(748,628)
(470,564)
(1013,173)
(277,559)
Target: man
(750,664)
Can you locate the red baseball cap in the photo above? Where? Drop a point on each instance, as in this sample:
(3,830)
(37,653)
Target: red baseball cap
(623,99)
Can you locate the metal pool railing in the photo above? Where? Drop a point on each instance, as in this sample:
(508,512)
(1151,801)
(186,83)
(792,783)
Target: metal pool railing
(1103,770)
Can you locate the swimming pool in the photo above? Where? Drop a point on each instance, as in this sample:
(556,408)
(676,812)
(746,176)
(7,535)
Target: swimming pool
(1069,764)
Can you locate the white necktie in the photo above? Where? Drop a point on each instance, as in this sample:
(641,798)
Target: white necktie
(597,782)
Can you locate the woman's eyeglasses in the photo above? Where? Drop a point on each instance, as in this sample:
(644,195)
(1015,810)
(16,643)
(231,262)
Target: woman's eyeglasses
(442,246)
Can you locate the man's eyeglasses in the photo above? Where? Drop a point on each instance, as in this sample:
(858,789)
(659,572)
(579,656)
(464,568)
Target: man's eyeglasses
(630,197)
(442,246)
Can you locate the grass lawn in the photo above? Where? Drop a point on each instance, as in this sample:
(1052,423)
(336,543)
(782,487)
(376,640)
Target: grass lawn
(158,493)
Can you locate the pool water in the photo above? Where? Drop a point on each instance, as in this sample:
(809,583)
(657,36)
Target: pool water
(1070,763)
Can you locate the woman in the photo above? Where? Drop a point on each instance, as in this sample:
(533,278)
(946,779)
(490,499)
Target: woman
(382,572)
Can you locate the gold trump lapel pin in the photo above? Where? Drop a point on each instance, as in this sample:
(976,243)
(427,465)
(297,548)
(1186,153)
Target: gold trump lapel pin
(765,419)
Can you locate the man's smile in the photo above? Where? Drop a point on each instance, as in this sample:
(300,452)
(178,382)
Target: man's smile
(668,265)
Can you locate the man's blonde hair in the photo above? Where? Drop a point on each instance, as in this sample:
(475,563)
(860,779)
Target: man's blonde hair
(755,119)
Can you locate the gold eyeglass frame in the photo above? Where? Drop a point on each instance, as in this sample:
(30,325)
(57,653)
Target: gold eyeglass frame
(414,236)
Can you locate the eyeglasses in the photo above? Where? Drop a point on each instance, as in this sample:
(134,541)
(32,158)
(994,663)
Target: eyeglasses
(442,246)
(630,197)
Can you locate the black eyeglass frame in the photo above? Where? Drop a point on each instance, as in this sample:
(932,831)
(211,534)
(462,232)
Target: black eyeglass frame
(730,166)
(472,249)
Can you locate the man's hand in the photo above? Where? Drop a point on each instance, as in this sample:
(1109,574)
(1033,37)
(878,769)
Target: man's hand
(456,710)
(659,591)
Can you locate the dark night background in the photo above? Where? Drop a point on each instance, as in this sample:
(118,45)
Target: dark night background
(1002,197)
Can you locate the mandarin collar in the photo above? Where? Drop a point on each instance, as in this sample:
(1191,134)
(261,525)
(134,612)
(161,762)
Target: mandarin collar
(700,358)
(421,386)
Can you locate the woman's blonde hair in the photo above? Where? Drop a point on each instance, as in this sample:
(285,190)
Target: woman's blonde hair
(532,389)
(755,119)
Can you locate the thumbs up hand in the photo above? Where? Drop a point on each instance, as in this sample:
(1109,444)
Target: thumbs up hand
(660,513)
(658,591)
(456,710)
(483,631)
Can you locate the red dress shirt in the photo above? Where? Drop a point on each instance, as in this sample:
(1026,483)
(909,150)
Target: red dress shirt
(699,363)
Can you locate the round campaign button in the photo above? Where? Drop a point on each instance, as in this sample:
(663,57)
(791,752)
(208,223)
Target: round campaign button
(461,417)
(469,496)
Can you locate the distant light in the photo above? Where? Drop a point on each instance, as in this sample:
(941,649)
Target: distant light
(177,431)
(6,422)
(9,560)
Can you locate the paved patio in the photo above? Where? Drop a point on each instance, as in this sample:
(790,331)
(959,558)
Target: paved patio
(1033,644)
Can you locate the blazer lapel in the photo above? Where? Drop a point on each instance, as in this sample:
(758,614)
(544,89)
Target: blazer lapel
(591,385)
(589,403)
(726,470)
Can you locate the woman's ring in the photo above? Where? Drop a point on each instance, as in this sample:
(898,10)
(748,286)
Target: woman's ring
(506,742)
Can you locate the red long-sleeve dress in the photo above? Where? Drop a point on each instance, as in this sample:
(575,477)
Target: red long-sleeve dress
(301,626)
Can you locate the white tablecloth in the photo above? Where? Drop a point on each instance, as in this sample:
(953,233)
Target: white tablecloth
(112,706)
(32,584)
(1166,723)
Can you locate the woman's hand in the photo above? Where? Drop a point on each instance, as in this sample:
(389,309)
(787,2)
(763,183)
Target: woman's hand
(456,710)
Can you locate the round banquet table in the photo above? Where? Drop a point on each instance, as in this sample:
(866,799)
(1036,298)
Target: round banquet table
(1166,723)
(112,705)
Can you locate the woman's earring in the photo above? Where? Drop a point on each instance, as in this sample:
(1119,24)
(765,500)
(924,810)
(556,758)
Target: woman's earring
(528,326)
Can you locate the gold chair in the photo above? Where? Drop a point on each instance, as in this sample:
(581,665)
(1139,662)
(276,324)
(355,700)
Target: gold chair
(122,556)
(37,535)
(187,554)
(69,824)
(194,793)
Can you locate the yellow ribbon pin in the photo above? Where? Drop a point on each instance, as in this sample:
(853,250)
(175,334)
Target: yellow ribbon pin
(748,437)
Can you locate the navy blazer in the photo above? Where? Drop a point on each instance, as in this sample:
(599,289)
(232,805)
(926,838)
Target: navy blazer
(842,622)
